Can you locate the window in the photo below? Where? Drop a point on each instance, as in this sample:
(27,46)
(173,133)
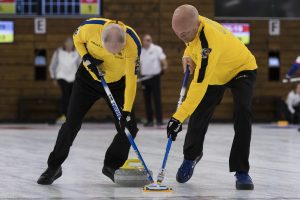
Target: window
(51,8)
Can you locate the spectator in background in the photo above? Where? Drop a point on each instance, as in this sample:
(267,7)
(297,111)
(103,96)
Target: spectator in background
(153,65)
(63,66)
(290,109)
(294,68)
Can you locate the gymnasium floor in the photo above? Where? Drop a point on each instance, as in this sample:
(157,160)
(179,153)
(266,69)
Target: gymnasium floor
(275,164)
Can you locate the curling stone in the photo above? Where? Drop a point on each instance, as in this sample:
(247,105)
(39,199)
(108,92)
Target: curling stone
(132,174)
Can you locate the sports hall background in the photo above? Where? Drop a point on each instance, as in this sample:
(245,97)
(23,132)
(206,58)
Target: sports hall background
(23,99)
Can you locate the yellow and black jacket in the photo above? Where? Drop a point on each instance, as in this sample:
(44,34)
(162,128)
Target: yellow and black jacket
(219,56)
(87,39)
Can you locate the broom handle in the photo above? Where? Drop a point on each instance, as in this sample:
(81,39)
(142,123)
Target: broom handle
(183,87)
(118,114)
(169,144)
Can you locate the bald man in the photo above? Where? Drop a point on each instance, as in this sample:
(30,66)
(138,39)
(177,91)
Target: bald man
(219,61)
(114,48)
(153,65)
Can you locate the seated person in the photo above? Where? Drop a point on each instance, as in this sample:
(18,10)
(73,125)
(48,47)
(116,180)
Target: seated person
(293,69)
(290,109)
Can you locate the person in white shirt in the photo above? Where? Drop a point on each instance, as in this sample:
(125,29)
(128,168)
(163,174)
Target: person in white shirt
(293,99)
(153,65)
(290,109)
(63,67)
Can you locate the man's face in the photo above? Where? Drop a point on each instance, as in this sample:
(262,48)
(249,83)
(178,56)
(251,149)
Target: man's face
(114,47)
(186,33)
(147,40)
(113,43)
(69,45)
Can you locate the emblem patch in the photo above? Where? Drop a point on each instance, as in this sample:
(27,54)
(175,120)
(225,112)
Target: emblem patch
(205,52)
(137,66)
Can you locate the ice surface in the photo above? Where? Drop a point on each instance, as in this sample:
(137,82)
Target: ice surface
(24,149)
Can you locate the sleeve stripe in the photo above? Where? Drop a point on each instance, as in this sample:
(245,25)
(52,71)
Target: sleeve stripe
(204,61)
(136,40)
(101,22)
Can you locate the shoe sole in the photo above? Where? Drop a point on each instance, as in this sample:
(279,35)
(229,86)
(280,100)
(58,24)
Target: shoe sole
(244,187)
(50,182)
(197,160)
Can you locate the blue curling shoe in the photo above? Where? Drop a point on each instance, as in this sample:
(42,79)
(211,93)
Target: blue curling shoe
(243,181)
(185,171)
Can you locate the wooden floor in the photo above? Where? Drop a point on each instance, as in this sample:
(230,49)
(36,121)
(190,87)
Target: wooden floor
(274,159)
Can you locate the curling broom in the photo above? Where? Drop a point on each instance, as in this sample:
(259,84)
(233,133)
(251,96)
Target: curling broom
(129,136)
(161,174)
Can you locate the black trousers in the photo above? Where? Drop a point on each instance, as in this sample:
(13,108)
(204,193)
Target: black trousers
(242,90)
(66,90)
(85,92)
(151,91)
(283,112)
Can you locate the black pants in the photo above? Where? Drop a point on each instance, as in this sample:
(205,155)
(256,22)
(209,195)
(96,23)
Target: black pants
(66,90)
(151,91)
(283,112)
(85,92)
(242,90)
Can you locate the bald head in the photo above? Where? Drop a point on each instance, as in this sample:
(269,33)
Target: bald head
(113,38)
(185,22)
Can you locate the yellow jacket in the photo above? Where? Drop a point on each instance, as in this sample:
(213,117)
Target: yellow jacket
(87,39)
(219,56)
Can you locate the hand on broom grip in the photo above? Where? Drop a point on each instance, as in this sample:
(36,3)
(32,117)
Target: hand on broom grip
(127,122)
(187,62)
(92,63)
(173,128)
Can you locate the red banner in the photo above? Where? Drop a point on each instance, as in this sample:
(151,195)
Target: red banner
(88,1)
(7,1)
(246,28)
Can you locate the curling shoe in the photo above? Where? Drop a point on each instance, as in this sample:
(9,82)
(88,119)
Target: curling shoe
(109,172)
(49,176)
(243,181)
(185,171)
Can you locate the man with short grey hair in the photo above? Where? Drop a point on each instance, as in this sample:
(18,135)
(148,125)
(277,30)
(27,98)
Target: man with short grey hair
(113,38)
(113,48)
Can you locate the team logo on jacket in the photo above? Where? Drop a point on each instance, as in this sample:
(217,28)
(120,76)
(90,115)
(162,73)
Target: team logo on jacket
(119,55)
(96,44)
(137,66)
(205,52)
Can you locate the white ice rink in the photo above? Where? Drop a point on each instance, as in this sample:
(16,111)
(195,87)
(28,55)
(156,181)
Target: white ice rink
(24,149)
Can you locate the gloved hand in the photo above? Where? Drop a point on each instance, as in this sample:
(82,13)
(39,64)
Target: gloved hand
(127,121)
(92,63)
(173,128)
(286,79)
